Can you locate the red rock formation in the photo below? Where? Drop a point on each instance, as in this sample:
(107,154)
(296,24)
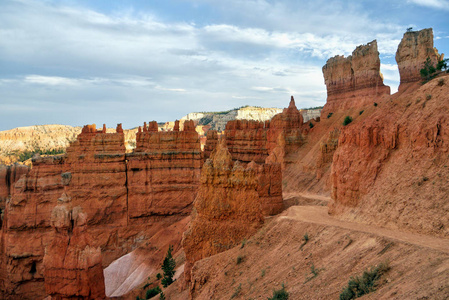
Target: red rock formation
(247,140)
(255,141)
(228,207)
(414,49)
(8,177)
(163,172)
(73,268)
(327,150)
(126,198)
(354,81)
(390,168)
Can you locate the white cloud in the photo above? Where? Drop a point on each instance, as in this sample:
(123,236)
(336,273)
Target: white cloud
(149,67)
(438,4)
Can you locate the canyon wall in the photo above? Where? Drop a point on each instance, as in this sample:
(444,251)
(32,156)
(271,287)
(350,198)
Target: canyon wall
(354,81)
(124,198)
(231,202)
(391,163)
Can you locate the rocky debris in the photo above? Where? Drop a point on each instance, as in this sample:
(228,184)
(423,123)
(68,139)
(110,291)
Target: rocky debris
(354,81)
(231,202)
(73,268)
(413,51)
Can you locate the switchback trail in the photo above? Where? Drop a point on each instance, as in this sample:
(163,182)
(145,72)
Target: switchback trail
(319,215)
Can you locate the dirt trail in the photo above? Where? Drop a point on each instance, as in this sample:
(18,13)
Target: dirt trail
(319,215)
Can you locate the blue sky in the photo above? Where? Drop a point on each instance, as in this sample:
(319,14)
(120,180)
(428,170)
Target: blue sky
(82,62)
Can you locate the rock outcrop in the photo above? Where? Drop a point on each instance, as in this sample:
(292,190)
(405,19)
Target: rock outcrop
(413,51)
(8,177)
(125,198)
(257,141)
(354,81)
(73,268)
(231,203)
(163,171)
(389,168)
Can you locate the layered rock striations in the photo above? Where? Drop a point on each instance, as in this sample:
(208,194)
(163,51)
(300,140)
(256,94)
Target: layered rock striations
(258,141)
(231,202)
(413,51)
(354,81)
(124,198)
(163,171)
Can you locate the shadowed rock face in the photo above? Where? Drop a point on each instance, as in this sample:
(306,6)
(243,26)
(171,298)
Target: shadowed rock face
(413,50)
(354,81)
(125,198)
(231,203)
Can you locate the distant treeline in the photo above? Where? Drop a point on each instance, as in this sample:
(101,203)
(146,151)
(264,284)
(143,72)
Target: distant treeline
(29,154)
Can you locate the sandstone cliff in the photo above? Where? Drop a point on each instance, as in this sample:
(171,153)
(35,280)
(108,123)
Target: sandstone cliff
(22,142)
(231,202)
(389,169)
(414,49)
(125,198)
(354,81)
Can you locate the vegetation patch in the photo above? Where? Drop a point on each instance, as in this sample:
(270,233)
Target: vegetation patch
(168,266)
(281,294)
(347,120)
(365,284)
(329,115)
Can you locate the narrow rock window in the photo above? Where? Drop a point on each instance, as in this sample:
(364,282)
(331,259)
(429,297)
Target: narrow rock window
(33,268)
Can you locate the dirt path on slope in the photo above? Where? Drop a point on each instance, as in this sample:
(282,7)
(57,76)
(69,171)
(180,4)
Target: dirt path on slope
(319,215)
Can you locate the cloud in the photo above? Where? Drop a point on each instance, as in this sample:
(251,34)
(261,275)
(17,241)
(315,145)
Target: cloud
(437,4)
(149,66)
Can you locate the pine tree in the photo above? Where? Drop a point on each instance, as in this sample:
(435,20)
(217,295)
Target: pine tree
(168,266)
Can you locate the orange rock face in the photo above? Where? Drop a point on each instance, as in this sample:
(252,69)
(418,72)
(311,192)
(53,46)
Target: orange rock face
(354,81)
(414,49)
(73,268)
(125,198)
(389,169)
(8,177)
(258,141)
(230,205)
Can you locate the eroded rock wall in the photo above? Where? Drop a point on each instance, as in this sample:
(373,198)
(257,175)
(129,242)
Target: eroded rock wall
(354,81)
(231,202)
(125,198)
(413,51)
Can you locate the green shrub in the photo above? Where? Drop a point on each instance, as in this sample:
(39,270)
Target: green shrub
(428,71)
(152,292)
(375,104)
(240,259)
(329,115)
(310,124)
(281,294)
(168,266)
(442,64)
(361,112)
(158,276)
(361,285)
(162,296)
(236,291)
(347,120)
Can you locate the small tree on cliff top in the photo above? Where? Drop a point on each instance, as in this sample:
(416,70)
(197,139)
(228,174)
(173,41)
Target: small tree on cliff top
(168,266)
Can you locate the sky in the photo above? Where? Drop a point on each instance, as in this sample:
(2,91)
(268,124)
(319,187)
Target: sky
(83,62)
